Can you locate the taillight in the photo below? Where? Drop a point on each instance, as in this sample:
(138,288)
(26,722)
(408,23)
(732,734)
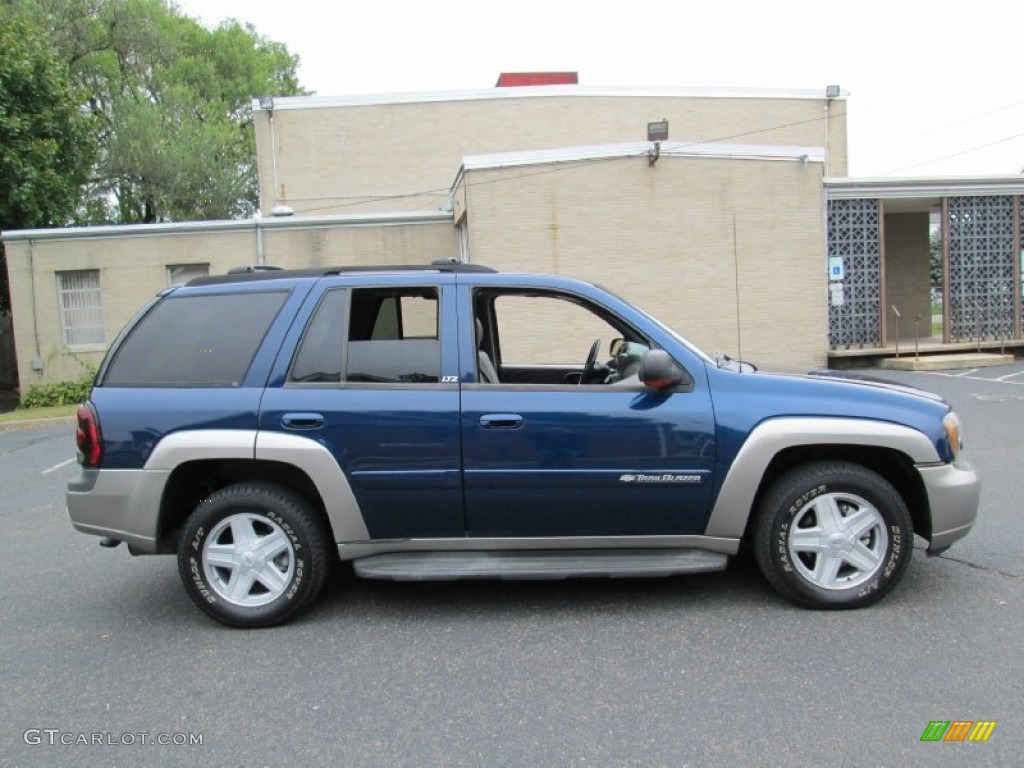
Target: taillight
(88,437)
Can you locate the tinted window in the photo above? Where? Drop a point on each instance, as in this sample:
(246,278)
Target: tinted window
(319,355)
(393,336)
(195,341)
(412,361)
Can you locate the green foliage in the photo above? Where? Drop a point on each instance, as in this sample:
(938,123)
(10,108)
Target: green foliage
(46,141)
(47,147)
(935,254)
(170,100)
(58,393)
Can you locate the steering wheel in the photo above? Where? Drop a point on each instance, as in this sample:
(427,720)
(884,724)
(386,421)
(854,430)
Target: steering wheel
(591,364)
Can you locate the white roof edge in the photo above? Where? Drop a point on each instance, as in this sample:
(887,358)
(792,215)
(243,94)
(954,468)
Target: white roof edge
(639,149)
(233,225)
(480,94)
(949,186)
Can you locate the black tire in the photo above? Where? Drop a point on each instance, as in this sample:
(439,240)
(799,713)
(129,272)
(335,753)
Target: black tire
(275,568)
(833,534)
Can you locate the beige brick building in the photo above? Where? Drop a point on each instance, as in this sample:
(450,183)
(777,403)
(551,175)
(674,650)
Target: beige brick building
(400,152)
(740,229)
(73,290)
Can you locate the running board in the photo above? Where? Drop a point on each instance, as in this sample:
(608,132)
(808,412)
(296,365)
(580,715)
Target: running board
(544,564)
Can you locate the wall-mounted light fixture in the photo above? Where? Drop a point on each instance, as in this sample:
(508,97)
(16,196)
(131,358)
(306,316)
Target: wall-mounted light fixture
(267,104)
(832,92)
(656,132)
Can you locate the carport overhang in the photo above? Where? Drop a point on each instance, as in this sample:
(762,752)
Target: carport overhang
(909,195)
(929,196)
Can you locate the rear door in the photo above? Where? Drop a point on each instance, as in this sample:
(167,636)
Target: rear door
(374,380)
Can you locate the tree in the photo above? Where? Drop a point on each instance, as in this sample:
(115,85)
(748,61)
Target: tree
(171,103)
(47,147)
(935,257)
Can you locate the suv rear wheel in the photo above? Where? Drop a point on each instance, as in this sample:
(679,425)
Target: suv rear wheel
(833,535)
(253,555)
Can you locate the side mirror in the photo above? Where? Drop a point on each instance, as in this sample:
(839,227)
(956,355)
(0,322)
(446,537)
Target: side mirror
(660,371)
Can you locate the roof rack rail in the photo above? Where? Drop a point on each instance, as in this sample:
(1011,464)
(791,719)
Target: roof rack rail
(261,272)
(440,265)
(253,268)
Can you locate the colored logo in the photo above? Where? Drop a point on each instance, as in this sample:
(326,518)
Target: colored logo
(958,730)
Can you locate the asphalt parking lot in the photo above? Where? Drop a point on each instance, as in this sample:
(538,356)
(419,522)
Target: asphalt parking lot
(707,670)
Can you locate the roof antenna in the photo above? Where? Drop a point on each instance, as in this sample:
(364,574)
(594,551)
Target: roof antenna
(736,279)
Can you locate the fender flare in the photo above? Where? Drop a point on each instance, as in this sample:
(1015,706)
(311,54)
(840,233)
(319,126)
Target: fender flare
(303,453)
(735,501)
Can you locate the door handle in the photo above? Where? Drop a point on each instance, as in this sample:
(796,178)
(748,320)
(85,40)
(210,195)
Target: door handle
(302,420)
(501,421)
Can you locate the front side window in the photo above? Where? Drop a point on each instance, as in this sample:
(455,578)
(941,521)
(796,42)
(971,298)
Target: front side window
(552,338)
(80,302)
(195,341)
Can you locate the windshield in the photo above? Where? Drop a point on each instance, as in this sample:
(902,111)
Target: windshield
(675,335)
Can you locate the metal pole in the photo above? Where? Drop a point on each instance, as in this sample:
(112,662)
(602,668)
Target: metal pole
(977,321)
(917,337)
(898,316)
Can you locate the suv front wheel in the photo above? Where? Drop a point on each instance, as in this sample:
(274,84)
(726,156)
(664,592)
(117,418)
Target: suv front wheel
(833,535)
(253,554)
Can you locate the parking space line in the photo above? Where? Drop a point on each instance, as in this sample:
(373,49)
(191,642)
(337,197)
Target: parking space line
(1010,376)
(55,467)
(1000,380)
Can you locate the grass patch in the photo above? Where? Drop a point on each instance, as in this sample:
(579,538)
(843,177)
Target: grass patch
(49,412)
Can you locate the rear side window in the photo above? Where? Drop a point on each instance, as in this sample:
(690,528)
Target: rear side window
(372,336)
(195,341)
(392,336)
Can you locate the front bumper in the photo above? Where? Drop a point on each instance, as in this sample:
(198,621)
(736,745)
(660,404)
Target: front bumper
(954,491)
(122,504)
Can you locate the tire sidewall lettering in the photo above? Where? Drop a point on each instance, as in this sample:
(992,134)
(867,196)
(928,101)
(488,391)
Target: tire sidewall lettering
(799,504)
(784,504)
(284,526)
(196,572)
(782,534)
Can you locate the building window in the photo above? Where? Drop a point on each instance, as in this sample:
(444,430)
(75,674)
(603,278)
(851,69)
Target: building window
(179,274)
(81,308)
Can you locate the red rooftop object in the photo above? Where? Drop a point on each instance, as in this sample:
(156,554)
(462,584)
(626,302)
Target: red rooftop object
(519,79)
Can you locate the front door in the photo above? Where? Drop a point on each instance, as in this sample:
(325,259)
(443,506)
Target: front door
(563,445)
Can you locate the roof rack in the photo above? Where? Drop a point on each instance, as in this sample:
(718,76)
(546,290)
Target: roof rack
(253,268)
(252,273)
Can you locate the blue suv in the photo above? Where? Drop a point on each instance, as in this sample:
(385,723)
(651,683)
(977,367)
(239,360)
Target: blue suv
(449,421)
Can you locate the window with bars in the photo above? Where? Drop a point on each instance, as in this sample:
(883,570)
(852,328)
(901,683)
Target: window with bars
(81,308)
(179,274)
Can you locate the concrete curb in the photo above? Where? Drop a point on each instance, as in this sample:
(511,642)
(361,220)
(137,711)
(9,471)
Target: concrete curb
(946,362)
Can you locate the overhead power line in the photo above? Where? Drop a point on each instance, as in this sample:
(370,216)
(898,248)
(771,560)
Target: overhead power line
(568,165)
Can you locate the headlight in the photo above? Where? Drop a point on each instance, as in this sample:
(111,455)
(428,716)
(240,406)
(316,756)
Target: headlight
(952,424)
